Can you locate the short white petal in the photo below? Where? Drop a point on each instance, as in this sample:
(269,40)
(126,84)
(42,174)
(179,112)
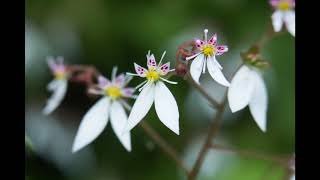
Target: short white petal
(216,72)
(277,20)
(118,118)
(196,67)
(92,124)
(141,106)
(241,89)
(290,21)
(166,107)
(259,101)
(59,88)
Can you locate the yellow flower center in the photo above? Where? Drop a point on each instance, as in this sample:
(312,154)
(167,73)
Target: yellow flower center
(152,74)
(284,5)
(114,92)
(208,50)
(60,75)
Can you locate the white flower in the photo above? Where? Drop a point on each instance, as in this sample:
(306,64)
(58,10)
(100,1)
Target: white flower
(111,104)
(284,13)
(208,50)
(248,88)
(154,90)
(58,86)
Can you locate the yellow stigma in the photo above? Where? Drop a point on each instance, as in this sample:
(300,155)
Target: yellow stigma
(284,5)
(114,92)
(152,74)
(208,50)
(60,75)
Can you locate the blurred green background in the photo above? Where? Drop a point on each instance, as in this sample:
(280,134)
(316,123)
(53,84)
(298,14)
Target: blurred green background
(105,33)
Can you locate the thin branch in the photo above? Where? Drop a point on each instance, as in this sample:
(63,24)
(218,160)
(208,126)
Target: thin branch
(283,161)
(213,131)
(169,150)
(202,91)
(163,144)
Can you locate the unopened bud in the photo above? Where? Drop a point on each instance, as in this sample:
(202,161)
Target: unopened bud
(181,69)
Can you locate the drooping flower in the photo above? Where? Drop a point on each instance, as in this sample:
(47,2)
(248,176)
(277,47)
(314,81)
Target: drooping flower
(58,86)
(284,14)
(154,90)
(111,105)
(208,50)
(248,88)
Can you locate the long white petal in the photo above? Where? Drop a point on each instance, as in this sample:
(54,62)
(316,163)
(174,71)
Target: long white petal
(290,22)
(166,107)
(53,85)
(218,64)
(141,106)
(196,67)
(216,72)
(59,88)
(118,118)
(259,101)
(92,124)
(277,20)
(241,89)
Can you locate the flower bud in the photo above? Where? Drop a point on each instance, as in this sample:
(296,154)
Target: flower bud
(181,69)
(253,57)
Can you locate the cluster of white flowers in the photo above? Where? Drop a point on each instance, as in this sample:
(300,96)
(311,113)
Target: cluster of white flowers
(246,88)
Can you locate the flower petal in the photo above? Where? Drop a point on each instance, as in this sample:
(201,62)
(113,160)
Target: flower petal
(141,106)
(103,82)
(259,101)
(164,69)
(199,43)
(166,107)
(92,124)
(290,22)
(127,92)
(216,72)
(193,56)
(59,88)
(221,49)
(196,67)
(213,40)
(118,118)
(277,20)
(120,80)
(53,85)
(217,63)
(241,89)
(274,3)
(141,71)
(151,60)
(51,63)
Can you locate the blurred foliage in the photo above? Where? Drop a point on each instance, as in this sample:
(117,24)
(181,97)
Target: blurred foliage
(105,33)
